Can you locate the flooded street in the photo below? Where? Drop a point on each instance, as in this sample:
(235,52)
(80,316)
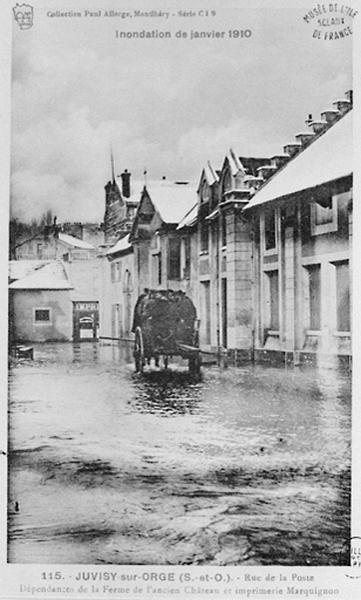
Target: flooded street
(246,466)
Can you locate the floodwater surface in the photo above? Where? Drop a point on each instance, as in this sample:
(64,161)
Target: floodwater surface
(245,466)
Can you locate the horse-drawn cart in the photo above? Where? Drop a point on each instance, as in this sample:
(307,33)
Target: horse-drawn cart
(165,325)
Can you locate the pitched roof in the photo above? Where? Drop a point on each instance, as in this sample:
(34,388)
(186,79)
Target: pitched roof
(120,246)
(190,218)
(70,240)
(21,268)
(171,200)
(51,276)
(210,174)
(234,162)
(328,158)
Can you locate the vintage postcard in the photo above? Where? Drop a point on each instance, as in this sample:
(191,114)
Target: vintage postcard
(180,303)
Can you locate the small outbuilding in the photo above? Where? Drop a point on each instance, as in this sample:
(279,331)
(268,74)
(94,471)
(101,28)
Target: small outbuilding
(40,305)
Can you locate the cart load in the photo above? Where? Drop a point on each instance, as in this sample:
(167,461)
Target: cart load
(165,324)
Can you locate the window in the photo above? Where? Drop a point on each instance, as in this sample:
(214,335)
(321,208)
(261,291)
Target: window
(273,300)
(112,272)
(39,250)
(159,257)
(157,268)
(118,271)
(174,262)
(206,311)
(42,315)
(206,192)
(187,257)
(343,296)
(223,230)
(324,216)
(314,294)
(227,182)
(270,230)
(214,197)
(204,236)
(224,312)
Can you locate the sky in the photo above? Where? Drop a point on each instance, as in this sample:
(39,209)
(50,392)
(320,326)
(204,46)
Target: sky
(166,105)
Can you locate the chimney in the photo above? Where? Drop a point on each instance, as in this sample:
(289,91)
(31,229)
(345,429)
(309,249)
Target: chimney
(279,159)
(318,126)
(330,115)
(342,105)
(126,183)
(349,96)
(292,149)
(56,228)
(266,171)
(305,137)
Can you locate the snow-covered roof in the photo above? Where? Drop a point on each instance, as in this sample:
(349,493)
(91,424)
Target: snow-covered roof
(214,214)
(190,218)
(21,268)
(70,240)
(51,276)
(120,246)
(234,162)
(172,200)
(210,174)
(326,159)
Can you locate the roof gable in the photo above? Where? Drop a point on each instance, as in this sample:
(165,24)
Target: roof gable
(209,175)
(170,201)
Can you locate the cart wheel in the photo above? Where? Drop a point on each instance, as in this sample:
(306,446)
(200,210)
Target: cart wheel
(138,351)
(165,361)
(194,364)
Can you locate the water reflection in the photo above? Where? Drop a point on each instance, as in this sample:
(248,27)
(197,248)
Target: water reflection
(245,466)
(166,393)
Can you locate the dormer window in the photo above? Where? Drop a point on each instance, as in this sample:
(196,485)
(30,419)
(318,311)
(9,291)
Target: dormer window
(324,216)
(205,192)
(227,181)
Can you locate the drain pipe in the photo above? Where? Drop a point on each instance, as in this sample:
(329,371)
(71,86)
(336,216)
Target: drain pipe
(217,293)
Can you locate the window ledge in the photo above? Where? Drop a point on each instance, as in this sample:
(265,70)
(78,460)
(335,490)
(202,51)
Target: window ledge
(345,334)
(273,332)
(313,332)
(323,229)
(204,253)
(270,252)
